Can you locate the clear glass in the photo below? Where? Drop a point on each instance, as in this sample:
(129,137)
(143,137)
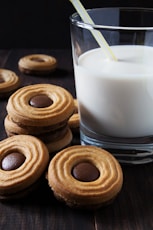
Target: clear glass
(116,97)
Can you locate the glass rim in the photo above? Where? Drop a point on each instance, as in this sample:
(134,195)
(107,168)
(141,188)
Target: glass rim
(89,26)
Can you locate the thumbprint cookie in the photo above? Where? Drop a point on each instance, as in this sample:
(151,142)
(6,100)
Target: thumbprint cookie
(42,110)
(9,82)
(37,64)
(23,162)
(85,176)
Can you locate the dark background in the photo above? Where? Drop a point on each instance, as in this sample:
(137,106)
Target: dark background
(44,23)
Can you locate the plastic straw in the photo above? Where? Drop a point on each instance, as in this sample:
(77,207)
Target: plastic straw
(97,35)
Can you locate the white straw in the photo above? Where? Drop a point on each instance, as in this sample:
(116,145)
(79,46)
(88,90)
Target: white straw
(97,35)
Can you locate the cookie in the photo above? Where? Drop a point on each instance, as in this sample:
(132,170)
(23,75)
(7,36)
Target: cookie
(37,64)
(74,121)
(85,177)
(15,128)
(55,140)
(61,142)
(9,82)
(42,110)
(24,105)
(23,162)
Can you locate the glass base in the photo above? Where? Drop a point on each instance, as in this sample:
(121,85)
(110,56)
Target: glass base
(125,150)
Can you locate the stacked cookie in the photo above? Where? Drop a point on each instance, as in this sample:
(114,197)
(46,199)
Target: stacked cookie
(41,110)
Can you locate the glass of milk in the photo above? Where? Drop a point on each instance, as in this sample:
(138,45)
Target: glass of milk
(116,97)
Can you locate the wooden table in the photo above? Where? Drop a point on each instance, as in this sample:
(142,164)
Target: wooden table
(131,210)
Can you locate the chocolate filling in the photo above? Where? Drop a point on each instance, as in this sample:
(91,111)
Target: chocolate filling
(85,171)
(12,161)
(40,101)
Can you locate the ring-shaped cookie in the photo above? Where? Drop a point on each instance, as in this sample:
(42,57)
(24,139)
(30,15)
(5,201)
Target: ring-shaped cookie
(10,81)
(37,63)
(74,120)
(36,161)
(61,143)
(21,111)
(85,194)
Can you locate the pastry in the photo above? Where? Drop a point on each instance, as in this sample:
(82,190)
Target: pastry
(23,161)
(9,82)
(42,110)
(85,176)
(37,64)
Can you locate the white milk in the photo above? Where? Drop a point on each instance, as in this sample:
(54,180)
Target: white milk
(116,98)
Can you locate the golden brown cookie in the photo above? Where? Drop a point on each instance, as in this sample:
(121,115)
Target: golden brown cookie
(22,108)
(37,64)
(61,142)
(42,110)
(23,161)
(9,82)
(74,121)
(55,139)
(85,176)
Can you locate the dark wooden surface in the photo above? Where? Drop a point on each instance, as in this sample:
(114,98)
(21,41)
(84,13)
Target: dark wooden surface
(131,210)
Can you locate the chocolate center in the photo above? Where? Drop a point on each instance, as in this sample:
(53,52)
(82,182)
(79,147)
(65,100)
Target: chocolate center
(85,171)
(40,101)
(12,161)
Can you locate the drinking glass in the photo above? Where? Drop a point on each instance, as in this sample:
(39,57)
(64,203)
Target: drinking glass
(115,97)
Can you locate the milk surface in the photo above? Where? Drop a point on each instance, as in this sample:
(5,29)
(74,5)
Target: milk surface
(116,97)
